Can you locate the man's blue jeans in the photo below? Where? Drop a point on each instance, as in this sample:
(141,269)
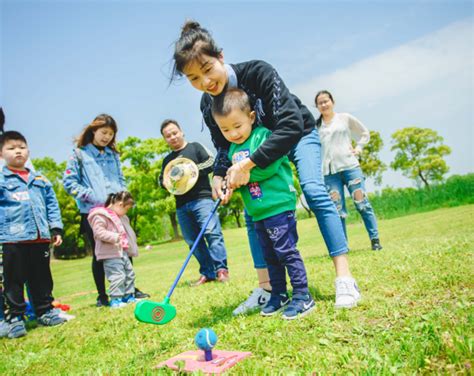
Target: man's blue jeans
(192,217)
(353,179)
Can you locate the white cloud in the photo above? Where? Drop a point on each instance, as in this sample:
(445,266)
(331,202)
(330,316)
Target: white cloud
(362,85)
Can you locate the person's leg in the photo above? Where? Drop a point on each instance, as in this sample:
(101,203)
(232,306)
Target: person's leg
(202,208)
(129,275)
(259,262)
(190,231)
(259,296)
(355,181)
(2,299)
(39,279)
(335,188)
(281,230)
(14,278)
(97,266)
(138,294)
(276,271)
(115,272)
(15,275)
(40,285)
(306,156)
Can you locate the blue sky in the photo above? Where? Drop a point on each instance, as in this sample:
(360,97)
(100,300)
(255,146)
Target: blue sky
(392,64)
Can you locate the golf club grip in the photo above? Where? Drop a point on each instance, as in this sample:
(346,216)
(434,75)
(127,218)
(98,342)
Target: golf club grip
(196,242)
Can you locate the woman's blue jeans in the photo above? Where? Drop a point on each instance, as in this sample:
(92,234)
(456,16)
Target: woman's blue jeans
(306,156)
(353,179)
(192,217)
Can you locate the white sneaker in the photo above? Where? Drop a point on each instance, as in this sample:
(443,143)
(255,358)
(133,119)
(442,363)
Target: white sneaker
(347,292)
(4,328)
(257,299)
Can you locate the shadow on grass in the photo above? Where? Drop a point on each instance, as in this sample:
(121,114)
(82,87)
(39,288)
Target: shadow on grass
(317,296)
(218,315)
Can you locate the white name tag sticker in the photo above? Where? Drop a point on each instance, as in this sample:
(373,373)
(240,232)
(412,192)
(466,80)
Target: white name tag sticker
(21,196)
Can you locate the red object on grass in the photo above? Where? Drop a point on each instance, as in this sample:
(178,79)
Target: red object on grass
(193,361)
(62,307)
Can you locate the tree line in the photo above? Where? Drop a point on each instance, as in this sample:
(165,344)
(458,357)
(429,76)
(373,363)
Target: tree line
(419,155)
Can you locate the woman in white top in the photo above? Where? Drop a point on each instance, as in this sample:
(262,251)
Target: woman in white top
(340,162)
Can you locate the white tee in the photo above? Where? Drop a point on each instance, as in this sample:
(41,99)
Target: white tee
(336,137)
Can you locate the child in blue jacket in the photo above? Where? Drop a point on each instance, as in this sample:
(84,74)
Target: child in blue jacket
(29,219)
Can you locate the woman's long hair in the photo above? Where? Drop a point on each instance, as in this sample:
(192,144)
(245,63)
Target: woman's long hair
(100,121)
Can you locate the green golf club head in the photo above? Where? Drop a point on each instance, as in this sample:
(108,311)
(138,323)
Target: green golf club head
(155,313)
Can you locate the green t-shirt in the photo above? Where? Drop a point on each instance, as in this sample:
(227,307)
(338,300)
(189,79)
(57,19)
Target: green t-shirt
(270,190)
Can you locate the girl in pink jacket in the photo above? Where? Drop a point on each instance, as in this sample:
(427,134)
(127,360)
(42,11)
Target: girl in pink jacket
(115,243)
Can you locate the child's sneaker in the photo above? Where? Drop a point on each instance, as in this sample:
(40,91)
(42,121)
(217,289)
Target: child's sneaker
(128,299)
(347,292)
(16,328)
(275,304)
(300,306)
(116,303)
(257,299)
(140,294)
(51,318)
(4,328)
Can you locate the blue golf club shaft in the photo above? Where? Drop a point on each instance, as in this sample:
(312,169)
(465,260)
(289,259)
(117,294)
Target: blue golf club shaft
(195,244)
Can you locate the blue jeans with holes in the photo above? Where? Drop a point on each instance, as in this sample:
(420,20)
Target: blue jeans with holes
(278,237)
(306,156)
(210,253)
(353,179)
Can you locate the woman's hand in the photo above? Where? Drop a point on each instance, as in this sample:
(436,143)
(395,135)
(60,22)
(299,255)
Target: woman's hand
(356,152)
(239,174)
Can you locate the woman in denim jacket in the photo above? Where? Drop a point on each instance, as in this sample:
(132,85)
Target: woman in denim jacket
(92,173)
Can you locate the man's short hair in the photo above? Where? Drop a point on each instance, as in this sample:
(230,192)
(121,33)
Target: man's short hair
(166,123)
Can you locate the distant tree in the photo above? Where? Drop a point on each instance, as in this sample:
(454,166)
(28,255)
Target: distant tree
(420,154)
(73,245)
(142,165)
(370,162)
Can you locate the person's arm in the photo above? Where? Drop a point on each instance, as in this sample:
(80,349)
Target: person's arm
(258,174)
(280,108)
(73,181)
(205,160)
(359,133)
(52,208)
(99,227)
(160,178)
(221,162)
(122,181)
(53,214)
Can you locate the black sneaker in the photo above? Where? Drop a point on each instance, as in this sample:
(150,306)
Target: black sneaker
(102,302)
(376,246)
(275,304)
(141,295)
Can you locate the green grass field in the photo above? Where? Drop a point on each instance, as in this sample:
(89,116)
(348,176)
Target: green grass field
(416,315)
